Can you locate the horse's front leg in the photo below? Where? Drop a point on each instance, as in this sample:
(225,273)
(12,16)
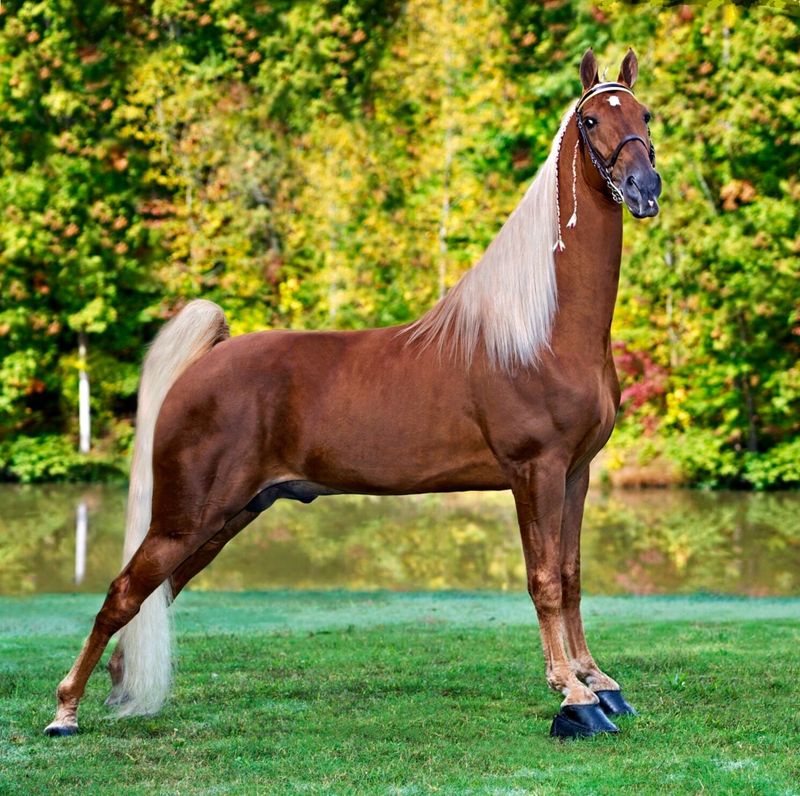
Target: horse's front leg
(582,662)
(539,492)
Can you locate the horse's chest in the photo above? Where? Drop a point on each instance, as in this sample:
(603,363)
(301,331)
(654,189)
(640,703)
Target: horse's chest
(583,414)
(600,421)
(557,413)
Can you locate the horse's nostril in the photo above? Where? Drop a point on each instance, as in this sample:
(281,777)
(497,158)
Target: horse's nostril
(631,180)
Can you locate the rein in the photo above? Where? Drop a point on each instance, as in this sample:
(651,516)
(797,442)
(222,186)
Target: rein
(603,165)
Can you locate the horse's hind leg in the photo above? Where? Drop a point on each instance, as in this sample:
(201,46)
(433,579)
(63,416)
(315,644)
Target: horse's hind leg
(156,559)
(202,557)
(582,662)
(185,571)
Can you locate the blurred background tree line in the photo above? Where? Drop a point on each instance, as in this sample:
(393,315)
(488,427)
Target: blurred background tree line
(340,163)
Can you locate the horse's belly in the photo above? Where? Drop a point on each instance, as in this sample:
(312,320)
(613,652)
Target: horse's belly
(399,452)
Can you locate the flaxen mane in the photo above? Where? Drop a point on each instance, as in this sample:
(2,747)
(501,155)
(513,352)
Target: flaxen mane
(508,299)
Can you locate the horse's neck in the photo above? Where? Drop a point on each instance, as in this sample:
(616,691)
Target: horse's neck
(587,271)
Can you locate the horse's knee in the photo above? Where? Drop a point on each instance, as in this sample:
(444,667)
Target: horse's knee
(570,586)
(545,591)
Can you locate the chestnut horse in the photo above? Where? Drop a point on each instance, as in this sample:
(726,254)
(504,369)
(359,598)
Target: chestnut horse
(507,383)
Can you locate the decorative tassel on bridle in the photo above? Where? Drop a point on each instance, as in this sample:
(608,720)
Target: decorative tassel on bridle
(559,244)
(573,219)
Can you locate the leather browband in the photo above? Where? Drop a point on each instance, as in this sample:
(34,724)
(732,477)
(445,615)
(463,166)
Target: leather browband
(601,88)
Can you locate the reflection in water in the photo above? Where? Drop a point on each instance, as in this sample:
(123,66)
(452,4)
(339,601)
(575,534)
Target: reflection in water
(633,542)
(81,534)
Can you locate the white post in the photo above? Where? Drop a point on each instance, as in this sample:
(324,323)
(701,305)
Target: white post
(81,533)
(84,409)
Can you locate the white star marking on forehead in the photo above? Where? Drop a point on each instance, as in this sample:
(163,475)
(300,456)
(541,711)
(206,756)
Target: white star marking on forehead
(613,100)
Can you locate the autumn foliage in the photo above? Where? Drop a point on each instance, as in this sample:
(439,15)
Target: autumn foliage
(340,164)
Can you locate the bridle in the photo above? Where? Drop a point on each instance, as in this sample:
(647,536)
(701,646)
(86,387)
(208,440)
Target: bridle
(603,165)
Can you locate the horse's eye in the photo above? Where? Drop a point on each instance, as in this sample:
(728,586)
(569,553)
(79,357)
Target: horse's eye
(590,122)
(647,117)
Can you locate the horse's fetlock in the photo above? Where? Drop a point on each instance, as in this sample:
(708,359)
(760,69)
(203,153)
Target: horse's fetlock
(584,665)
(559,678)
(579,694)
(598,681)
(64,694)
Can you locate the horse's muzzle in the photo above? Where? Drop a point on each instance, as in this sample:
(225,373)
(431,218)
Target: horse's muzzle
(640,190)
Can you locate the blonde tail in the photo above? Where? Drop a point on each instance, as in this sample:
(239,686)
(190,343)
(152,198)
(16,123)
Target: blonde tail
(146,641)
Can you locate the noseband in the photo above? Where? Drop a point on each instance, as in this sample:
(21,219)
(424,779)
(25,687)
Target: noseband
(603,165)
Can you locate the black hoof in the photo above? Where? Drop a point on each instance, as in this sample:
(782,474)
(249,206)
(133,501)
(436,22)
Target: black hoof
(56,730)
(614,704)
(581,721)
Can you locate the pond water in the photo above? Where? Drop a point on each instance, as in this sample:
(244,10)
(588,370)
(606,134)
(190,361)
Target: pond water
(66,538)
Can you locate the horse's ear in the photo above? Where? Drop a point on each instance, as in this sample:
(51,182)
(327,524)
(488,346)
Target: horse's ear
(629,69)
(589,70)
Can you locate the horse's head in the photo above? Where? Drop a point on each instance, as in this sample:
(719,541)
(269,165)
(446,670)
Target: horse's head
(616,138)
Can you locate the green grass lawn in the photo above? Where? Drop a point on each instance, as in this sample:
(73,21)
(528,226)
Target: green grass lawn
(411,693)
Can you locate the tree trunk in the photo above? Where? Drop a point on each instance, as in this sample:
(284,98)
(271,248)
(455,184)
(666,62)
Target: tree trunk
(84,408)
(747,392)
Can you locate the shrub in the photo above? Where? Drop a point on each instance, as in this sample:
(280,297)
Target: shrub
(706,459)
(778,467)
(53,457)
